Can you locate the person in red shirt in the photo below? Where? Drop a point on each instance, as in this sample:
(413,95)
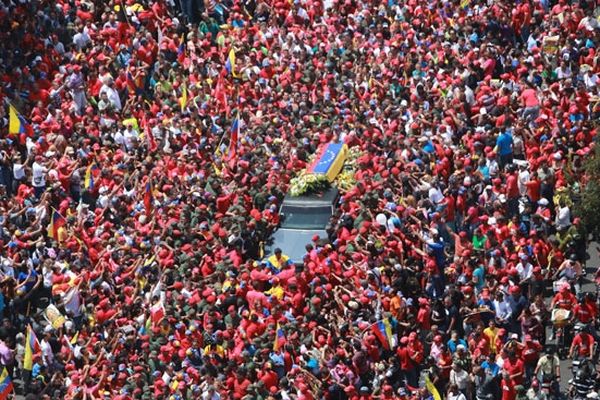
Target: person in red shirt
(583,343)
(583,312)
(515,367)
(533,187)
(423,315)
(508,387)
(564,299)
(512,194)
(240,383)
(269,377)
(530,355)
(415,349)
(406,363)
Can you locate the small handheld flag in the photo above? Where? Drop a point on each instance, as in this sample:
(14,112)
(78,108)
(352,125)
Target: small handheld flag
(183,100)
(6,385)
(383,331)
(432,389)
(57,221)
(148,199)
(16,123)
(279,338)
(89,176)
(233,139)
(32,347)
(181,50)
(230,63)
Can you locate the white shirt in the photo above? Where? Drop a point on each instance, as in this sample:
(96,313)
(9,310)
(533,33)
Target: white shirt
(502,309)
(18,171)
(81,39)
(113,96)
(129,134)
(523,179)
(590,80)
(435,195)
(563,217)
(39,175)
(525,271)
(47,354)
(7,267)
(460,378)
(47,273)
(493,167)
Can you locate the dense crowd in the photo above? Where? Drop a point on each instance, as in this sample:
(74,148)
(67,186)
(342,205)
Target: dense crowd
(134,217)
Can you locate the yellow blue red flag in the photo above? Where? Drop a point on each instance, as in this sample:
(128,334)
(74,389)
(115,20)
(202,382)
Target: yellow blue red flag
(330,161)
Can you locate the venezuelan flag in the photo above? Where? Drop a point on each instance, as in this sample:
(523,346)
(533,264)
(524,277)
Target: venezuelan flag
(89,176)
(6,385)
(148,198)
(32,346)
(16,123)
(235,133)
(230,63)
(330,161)
(57,221)
(181,50)
(383,330)
(279,338)
(183,100)
(432,389)
(74,338)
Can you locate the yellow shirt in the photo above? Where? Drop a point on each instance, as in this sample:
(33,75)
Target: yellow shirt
(491,335)
(276,291)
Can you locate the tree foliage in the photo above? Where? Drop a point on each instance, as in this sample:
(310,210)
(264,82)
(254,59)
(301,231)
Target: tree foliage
(589,207)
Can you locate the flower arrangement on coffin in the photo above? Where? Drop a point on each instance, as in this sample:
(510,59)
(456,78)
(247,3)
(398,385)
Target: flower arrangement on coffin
(306,183)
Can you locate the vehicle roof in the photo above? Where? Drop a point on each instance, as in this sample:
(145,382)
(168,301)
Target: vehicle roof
(326,198)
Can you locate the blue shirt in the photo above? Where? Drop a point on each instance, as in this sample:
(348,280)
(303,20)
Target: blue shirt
(504,143)
(493,367)
(30,282)
(452,345)
(480,274)
(438,253)
(485,171)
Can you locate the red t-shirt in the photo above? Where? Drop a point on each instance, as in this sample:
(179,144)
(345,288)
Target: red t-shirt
(583,341)
(405,361)
(529,97)
(533,190)
(512,188)
(583,313)
(508,389)
(531,352)
(514,367)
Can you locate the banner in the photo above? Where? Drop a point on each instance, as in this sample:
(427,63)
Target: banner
(54,317)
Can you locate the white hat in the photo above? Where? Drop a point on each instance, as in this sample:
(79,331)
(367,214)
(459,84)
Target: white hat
(543,202)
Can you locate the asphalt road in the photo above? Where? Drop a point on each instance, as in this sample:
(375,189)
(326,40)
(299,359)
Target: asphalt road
(591,266)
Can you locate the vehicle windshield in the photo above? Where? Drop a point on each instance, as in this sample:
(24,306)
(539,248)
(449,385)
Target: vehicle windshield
(313,218)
